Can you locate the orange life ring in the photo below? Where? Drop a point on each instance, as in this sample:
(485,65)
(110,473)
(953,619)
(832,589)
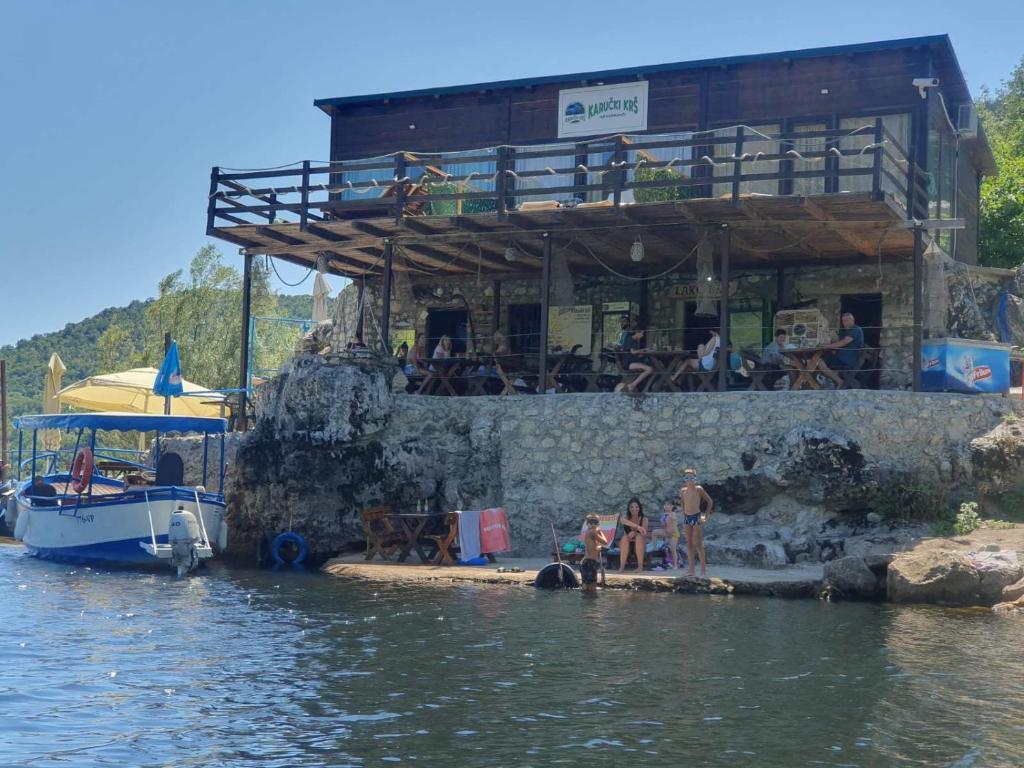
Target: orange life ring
(81,472)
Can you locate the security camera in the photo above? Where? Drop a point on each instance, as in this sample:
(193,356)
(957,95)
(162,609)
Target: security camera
(922,83)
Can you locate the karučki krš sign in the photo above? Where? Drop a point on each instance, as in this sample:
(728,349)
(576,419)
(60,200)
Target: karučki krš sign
(602,110)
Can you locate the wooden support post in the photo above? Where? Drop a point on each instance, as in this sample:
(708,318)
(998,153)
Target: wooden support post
(723,314)
(737,169)
(780,291)
(241,420)
(360,303)
(545,301)
(385,312)
(304,208)
(496,308)
(211,207)
(876,166)
(399,187)
(918,301)
(501,181)
(619,177)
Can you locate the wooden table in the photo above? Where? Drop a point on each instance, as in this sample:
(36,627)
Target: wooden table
(508,367)
(665,362)
(411,526)
(806,363)
(439,374)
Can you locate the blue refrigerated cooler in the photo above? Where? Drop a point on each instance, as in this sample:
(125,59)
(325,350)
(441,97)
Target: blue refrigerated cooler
(964,365)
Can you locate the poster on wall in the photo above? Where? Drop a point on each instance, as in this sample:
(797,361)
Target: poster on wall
(602,110)
(569,327)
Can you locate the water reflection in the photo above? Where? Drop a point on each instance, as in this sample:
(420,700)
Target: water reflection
(268,669)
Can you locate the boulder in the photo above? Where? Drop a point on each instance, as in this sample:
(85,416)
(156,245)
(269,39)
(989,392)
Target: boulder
(750,552)
(951,577)
(1014,592)
(852,578)
(1008,608)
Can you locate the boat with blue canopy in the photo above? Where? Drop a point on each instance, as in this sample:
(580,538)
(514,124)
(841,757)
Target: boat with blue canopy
(95,504)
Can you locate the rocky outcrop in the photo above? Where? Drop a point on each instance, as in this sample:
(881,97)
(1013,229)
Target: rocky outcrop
(998,456)
(951,577)
(851,578)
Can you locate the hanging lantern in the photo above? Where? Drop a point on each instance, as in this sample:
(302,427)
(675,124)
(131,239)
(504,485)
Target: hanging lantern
(636,251)
(707,306)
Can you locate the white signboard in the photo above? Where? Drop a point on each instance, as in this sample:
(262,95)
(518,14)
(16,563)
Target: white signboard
(602,110)
(569,328)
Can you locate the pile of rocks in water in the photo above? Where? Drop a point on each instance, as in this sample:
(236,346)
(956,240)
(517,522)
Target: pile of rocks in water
(989,577)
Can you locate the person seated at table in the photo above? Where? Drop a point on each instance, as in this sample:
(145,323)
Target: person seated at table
(634,534)
(844,352)
(402,353)
(416,356)
(443,350)
(707,354)
(773,358)
(42,493)
(624,333)
(631,361)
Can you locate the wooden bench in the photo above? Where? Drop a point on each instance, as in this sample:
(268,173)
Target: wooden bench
(381,537)
(447,543)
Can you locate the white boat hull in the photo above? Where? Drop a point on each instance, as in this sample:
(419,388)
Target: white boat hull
(114,530)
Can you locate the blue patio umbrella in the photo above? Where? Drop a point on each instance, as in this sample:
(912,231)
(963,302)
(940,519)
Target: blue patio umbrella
(168,379)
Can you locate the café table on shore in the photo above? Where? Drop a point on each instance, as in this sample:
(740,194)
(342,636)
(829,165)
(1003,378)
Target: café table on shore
(439,372)
(411,525)
(806,359)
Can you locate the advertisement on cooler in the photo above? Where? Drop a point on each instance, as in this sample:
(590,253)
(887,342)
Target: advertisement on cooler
(963,365)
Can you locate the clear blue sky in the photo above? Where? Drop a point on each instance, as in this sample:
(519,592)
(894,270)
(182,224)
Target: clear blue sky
(113,112)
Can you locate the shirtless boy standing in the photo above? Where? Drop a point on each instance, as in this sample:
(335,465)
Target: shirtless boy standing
(593,540)
(691,496)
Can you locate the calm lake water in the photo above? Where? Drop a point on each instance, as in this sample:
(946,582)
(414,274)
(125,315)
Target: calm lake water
(262,669)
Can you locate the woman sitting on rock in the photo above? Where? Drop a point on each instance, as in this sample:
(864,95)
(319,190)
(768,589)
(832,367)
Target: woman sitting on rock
(634,534)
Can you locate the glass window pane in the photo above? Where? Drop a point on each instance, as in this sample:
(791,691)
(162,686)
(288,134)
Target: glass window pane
(757,139)
(550,164)
(864,137)
(811,185)
(480,178)
(673,156)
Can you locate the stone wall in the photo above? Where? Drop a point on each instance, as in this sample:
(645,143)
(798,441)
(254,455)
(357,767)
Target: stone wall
(331,439)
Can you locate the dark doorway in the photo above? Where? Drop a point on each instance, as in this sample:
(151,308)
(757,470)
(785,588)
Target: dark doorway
(697,327)
(524,328)
(866,309)
(447,322)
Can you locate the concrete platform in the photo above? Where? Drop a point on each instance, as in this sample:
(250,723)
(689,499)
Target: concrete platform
(792,581)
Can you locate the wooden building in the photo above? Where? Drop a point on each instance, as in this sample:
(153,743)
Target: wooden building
(842,164)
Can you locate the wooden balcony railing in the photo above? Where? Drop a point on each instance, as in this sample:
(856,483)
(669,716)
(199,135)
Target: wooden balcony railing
(728,163)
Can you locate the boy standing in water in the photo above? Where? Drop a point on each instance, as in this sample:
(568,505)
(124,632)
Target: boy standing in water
(593,540)
(690,497)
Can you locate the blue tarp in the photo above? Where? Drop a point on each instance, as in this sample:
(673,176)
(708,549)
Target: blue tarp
(122,422)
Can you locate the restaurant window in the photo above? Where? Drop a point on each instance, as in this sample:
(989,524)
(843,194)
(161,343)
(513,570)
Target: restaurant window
(756,138)
(941,172)
(564,161)
(524,328)
(899,126)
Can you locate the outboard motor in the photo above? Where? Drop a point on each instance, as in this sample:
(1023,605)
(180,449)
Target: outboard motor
(183,535)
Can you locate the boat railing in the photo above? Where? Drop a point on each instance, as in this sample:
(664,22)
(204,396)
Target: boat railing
(152,530)
(202,522)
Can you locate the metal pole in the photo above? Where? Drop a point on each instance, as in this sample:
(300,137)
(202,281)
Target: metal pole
(723,315)
(3,419)
(359,303)
(918,300)
(241,422)
(167,400)
(385,312)
(545,300)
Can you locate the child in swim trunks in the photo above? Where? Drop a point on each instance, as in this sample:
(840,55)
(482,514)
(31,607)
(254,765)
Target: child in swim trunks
(668,532)
(593,540)
(691,496)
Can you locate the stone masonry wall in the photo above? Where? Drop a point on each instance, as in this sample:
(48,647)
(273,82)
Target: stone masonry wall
(331,439)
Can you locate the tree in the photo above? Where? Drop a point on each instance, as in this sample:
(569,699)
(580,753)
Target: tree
(116,350)
(1001,235)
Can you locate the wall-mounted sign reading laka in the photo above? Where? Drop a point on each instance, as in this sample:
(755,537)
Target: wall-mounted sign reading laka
(602,110)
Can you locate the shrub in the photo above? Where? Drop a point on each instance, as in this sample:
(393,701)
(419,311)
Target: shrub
(912,502)
(660,194)
(967,520)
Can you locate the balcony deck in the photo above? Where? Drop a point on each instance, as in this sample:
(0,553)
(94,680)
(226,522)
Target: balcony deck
(445,221)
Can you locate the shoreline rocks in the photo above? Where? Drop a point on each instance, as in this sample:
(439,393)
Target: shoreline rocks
(950,577)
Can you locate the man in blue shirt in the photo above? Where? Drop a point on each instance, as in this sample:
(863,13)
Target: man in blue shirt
(845,351)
